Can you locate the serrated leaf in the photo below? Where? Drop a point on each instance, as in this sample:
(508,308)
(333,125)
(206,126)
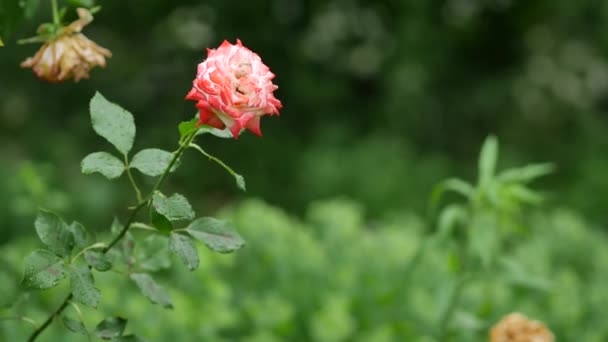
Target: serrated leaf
(83,286)
(216,234)
(97,260)
(43,270)
(183,246)
(82,238)
(160,222)
(74,325)
(487,159)
(123,253)
(113,123)
(104,163)
(110,327)
(175,207)
(152,161)
(153,253)
(54,233)
(151,290)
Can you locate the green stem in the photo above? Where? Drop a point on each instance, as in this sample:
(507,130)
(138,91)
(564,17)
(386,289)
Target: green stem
(93,246)
(215,159)
(55,12)
(49,319)
(132,180)
(81,317)
(20,318)
(183,146)
(453,300)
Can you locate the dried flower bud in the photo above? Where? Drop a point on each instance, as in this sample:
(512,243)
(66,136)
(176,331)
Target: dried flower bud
(516,327)
(69,55)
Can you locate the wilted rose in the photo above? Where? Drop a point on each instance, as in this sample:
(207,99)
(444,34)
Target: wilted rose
(516,327)
(69,55)
(234,89)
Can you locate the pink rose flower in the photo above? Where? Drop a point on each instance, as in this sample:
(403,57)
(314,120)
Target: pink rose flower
(234,89)
(69,55)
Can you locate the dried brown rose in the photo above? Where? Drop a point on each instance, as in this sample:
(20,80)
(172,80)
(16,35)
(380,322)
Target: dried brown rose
(69,55)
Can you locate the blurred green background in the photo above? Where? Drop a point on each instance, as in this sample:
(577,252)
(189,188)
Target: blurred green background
(382,100)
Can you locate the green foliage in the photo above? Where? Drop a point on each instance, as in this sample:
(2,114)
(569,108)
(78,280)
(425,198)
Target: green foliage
(104,163)
(216,234)
(54,233)
(183,246)
(335,273)
(82,285)
(98,261)
(113,123)
(175,207)
(111,327)
(152,161)
(43,270)
(149,288)
(74,325)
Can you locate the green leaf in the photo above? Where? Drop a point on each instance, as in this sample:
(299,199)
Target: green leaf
(113,123)
(174,208)
(97,260)
(43,270)
(123,253)
(74,325)
(152,161)
(187,127)
(218,235)
(83,286)
(526,173)
(110,327)
(182,246)
(104,163)
(153,253)
(1,43)
(151,290)
(487,159)
(484,239)
(82,238)
(129,338)
(453,184)
(160,222)
(449,218)
(524,195)
(54,233)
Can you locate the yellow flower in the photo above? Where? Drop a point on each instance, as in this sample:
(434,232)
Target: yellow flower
(516,327)
(69,55)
